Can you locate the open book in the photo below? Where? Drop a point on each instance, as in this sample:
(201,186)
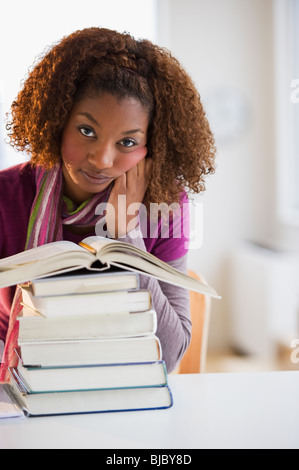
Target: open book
(94,253)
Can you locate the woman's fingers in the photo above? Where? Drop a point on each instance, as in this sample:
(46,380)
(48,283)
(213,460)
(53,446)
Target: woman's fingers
(133,185)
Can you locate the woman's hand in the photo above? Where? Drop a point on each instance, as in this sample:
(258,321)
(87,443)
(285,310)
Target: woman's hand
(126,197)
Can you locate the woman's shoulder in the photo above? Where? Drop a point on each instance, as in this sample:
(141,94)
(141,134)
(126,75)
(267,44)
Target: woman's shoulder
(17,172)
(17,179)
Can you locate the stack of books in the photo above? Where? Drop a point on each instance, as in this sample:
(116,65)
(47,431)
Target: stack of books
(87,344)
(87,341)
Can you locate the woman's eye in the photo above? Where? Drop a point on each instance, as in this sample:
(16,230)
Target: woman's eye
(87,132)
(128,143)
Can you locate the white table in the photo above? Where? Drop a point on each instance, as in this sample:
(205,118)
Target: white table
(250,410)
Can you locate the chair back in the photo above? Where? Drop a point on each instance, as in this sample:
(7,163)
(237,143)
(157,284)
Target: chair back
(194,359)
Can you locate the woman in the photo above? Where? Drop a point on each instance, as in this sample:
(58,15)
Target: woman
(102,116)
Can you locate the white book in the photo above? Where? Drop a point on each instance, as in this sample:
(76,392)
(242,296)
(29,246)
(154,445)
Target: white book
(62,379)
(64,256)
(86,283)
(34,327)
(89,304)
(91,352)
(88,401)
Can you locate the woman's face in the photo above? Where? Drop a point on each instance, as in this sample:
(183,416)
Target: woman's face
(104,138)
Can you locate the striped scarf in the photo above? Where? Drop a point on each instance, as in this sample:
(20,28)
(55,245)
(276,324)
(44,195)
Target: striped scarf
(50,211)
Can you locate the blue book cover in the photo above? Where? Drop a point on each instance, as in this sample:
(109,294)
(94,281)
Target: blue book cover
(89,401)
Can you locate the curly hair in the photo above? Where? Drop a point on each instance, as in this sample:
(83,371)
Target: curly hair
(180,141)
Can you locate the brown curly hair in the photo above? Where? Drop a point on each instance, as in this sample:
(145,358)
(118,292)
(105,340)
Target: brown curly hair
(180,141)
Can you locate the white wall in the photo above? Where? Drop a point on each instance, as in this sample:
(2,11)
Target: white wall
(29,27)
(227,46)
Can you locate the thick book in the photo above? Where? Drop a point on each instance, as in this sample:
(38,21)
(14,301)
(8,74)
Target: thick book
(92,352)
(34,327)
(95,253)
(87,401)
(62,379)
(89,304)
(86,282)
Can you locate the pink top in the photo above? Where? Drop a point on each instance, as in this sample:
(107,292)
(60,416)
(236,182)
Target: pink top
(17,192)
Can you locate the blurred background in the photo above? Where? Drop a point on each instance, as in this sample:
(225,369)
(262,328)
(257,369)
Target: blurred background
(243,56)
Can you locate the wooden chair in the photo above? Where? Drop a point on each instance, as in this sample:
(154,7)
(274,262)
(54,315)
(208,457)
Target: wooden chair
(194,359)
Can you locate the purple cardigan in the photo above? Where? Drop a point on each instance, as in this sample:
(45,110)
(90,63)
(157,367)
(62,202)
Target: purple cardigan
(17,192)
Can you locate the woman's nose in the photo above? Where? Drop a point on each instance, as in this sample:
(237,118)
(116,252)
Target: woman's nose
(101,156)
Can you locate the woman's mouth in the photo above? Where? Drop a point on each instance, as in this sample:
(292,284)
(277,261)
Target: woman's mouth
(95,178)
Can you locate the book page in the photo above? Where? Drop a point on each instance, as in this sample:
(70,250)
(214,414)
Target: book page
(127,256)
(41,252)
(97,242)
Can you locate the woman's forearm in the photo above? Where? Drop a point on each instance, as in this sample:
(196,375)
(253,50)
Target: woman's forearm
(172,306)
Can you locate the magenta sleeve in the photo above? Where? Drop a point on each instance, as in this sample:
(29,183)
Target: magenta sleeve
(168,236)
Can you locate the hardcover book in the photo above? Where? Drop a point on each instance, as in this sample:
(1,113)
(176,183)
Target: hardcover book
(92,377)
(94,253)
(34,327)
(90,351)
(86,282)
(55,306)
(87,401)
